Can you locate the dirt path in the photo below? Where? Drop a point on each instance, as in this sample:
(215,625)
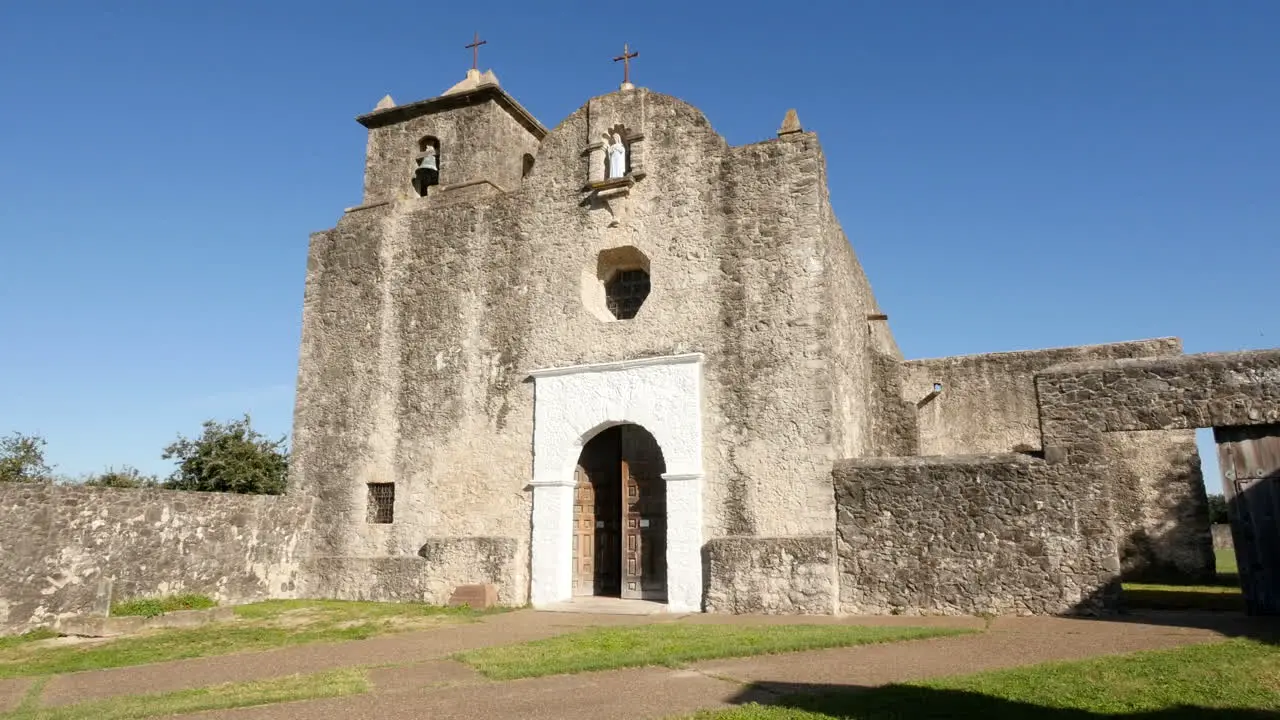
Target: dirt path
(424,684)
(423,692)
(397,649)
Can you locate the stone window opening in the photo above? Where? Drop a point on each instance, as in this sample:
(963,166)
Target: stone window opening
(526,166)
(382,502)
(426,164)
(618,286)
(626,292)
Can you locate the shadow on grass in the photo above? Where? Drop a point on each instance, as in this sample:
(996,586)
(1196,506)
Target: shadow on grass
(898,702)
(1176,598)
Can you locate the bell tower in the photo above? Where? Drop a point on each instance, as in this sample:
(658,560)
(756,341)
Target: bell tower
(474,135)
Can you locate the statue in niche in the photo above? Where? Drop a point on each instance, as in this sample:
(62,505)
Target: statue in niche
(616,158)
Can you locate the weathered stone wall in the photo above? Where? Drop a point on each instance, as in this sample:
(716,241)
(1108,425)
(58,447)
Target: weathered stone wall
(480,141)
(423,318)
(66,551)
(1004,534)
(989,405)
(1222,536)
(1160,504)
(795,575)
(442,564)
(988,402)
(1081,401)
(868,416)
(1089,409)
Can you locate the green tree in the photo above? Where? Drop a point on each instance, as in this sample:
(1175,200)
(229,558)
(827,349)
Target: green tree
(126,477)
(229,457)
(1217,508)
(22,459)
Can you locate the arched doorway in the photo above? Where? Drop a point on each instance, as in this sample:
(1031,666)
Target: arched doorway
(620,516)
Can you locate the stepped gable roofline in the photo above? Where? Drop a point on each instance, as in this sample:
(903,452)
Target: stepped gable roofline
(448,101)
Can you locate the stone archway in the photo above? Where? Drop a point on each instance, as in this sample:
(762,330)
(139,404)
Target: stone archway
(572,406)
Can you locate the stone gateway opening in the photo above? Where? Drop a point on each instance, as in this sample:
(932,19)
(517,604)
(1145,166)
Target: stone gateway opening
(619,516)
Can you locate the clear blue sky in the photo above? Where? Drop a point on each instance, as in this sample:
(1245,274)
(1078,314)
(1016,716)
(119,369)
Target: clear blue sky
(1012,174)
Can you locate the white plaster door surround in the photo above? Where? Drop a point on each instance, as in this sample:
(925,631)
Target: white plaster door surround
(571,405)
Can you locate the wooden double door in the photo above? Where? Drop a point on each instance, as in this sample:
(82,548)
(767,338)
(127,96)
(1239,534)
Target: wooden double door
(620,516)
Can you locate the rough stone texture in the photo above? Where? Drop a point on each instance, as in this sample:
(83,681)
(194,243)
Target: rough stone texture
(65,550)
(1000,534)
(1089,409)
(989,405)
(1080,401)
(1162,512)
(895,428)
(103,626)
(423,317)
(441,565)
(481,138)
(988,402)
(791,575)
(1222,536)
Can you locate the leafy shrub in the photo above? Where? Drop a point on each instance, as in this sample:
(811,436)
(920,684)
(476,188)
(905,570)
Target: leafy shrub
(229,457)
(127,477)
(22,459)
(1217,508)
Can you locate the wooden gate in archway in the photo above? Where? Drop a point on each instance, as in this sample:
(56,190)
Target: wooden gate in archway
(1249,457)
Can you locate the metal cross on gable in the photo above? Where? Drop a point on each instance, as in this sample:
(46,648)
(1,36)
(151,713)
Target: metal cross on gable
(474,47)
(625,57)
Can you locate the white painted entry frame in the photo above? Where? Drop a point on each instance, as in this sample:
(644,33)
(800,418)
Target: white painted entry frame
(571,405)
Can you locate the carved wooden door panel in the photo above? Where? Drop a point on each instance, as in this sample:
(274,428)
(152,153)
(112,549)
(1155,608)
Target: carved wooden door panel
(644,560)
(597,519)
(1249,458)
(608,547)
(584,534)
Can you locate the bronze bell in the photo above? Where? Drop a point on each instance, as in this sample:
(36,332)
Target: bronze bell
(427,173)
(428,162)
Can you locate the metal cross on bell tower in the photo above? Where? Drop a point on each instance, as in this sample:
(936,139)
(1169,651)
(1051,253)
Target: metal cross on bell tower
(625,57)
(474,47)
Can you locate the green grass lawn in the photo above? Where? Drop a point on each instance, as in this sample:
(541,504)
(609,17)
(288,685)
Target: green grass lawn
(1232,679)
(672,645)
(151,607)
(259,626)
(1222,594)
(338,683)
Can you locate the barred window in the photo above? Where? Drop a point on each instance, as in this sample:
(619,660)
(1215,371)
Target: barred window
(626,292)
(382,502)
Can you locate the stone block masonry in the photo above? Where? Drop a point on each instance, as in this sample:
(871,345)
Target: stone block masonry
(1081,401)
(999,534)
(67,551)
(781,575)
(989,404)
(439,568)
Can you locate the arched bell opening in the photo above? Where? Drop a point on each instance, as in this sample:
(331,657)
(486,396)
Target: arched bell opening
(620,516)
(426,164)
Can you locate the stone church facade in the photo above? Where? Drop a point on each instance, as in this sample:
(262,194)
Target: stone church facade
(621,357)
